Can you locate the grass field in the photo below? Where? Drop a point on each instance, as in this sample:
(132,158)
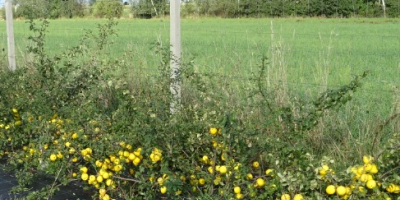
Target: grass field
(314,52)
(306,56)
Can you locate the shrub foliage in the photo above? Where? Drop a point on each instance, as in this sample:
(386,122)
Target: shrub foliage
(73,117)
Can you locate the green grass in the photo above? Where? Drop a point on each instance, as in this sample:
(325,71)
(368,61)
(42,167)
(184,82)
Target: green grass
(306,56)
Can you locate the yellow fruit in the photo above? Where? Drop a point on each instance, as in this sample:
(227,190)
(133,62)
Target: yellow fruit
(210,170)
(365,177)
(136,161)
(92,178)
(367,159)
(298,197)
(67,144)
(239,196)
(367,167)
(223,156)
(75,136)
(202,181)
(260,182)
(237,190)
(163,190)
(205,159)
(268,172)
(213,131)
(106,197)
(371,184)
(53,157)
(256,164)
(106,175)
(325,167)
(131,156)
(330,189)
(340,190)
(249,176)
(223,169)
(84,169)
(374,169)
(99,179)
(109,182)
(102,192)
(84,176)
(322,172)
(285,197)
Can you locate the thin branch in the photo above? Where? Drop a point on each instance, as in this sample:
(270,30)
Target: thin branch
(127,179)
(380,128)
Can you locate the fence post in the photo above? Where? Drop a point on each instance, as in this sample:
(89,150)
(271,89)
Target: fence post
(10,35)
(175,40)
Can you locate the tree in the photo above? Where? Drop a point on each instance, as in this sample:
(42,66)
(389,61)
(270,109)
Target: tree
(108,8)
(150,8)
(33,9)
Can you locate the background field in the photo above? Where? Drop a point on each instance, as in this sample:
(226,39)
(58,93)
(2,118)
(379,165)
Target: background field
(306,57)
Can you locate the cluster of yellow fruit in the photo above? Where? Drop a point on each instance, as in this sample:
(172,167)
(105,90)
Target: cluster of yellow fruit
(363,176)
(103,176)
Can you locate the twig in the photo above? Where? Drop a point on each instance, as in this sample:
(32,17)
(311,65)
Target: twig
(383,175)
(127,179)
(54,183)
(380,127)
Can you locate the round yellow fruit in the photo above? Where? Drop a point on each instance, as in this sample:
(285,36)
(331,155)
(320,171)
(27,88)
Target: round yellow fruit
(322,172)
(285,197)
(84,169)
(330,189)
(102,192)
(239,196)
(260,182)
(84,176)
(249,176)
(237,190)
(106,197)
(367,159)
(223,169)
(256,164)
(268,172)
(213,131)
(205,159)
(340,190)
(53,157)
(163,190)
(202,181)
(371,184)
(374,169)
(298,197)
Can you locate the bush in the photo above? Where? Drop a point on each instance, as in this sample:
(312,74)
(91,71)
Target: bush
(108,8)
(71,117)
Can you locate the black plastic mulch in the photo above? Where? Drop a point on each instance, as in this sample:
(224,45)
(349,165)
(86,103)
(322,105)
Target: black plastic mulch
(69,192)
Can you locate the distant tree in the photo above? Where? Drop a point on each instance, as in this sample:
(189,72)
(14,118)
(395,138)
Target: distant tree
(150,8)
(48,8)
(108,8)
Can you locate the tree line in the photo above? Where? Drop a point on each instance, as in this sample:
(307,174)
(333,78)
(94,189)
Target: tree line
(301,8)
(219,8)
